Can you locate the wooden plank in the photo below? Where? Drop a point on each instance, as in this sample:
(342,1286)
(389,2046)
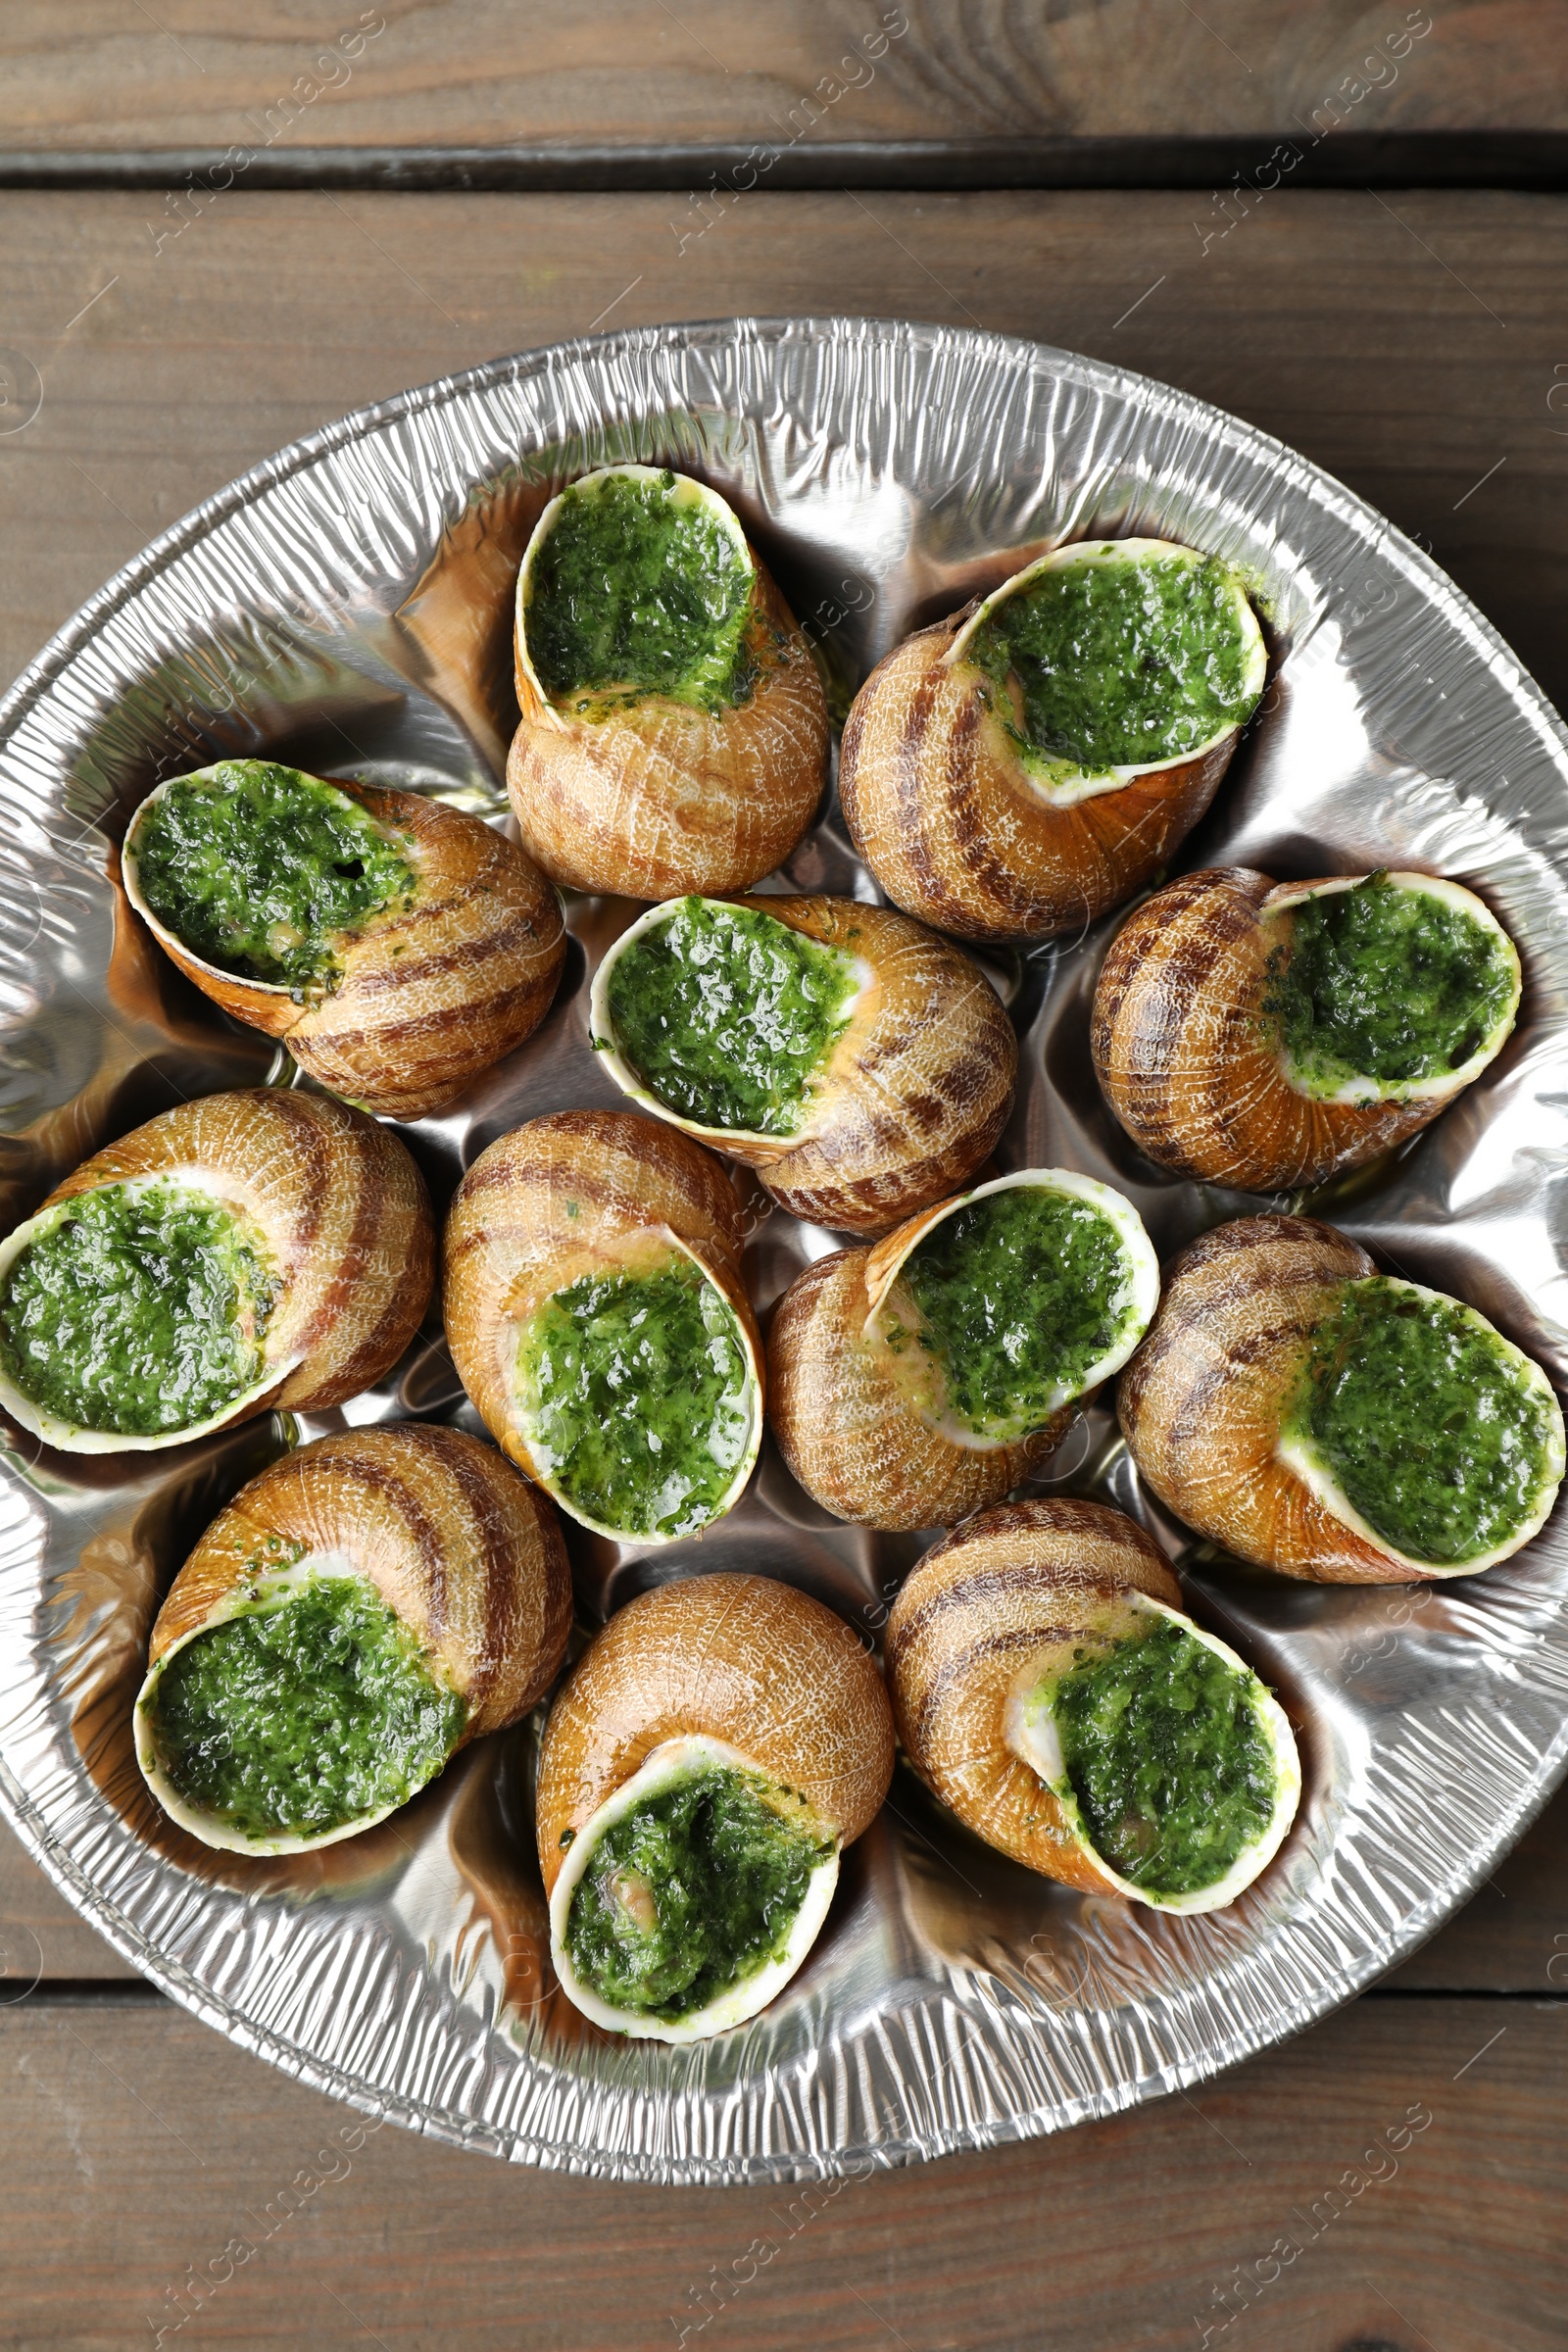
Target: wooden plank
(1410,344)
(1393,2181)
(104,75)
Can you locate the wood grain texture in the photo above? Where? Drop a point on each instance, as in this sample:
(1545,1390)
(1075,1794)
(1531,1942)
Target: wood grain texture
(488,73)
(146,2158)
(1406,343)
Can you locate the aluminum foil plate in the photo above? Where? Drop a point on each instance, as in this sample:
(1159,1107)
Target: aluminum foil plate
(347,607)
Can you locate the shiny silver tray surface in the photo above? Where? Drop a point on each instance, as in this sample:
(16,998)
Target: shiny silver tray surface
(347,605)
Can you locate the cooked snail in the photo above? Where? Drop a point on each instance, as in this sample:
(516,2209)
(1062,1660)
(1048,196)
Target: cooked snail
(243,1252)
(1049,1688)
(860,1065)
(674,735)
(1314,1416)
(597,1319)
(395,946)
(1267,1035)
(707,1762)
(916,1382)
(1023,766)
(358,1612)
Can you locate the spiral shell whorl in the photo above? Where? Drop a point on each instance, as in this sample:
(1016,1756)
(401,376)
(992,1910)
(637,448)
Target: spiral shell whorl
(479,955)
(461,1548)
(342,1206)
(1202,1401)
(1186,1064)
(942,811)
(549,1198)
(848,1431)
(740,1658)
(1001,1591)
(661,798)
(927,1077)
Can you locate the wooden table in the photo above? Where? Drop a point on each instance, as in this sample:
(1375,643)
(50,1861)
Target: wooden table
(1409,339)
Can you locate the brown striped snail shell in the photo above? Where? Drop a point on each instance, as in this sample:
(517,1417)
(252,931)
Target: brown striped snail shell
(345,1217)
(987,1616)
(736,1669)
(429,995)
(860,1439)
(914,1093)
(462,1550)
(574,1192)
(1203,1401)
(953,825)
(1193,1071)
(651,798)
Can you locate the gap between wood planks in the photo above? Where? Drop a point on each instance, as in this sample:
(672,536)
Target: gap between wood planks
(1534,160)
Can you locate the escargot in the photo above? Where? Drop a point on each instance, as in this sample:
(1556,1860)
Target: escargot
(395,946)
(360,1611)
(1267,1035)
(246,1251)
(1311,1414)
(860,1065)
(1049,1688)
(915,1382)
(597,1319)
(703,1768)
(1020,768)
(674,733)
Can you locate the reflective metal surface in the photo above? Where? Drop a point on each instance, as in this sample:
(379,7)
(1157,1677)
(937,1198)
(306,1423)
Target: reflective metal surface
(347,607)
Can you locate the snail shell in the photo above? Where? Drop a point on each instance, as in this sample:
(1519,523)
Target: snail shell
(954,826)
(913,1095)
(654,798)
(1195,1074)
(344,1213)
(456,1545)
(990,1613)
(429,995)
(575,1193)
(738,1669)
(1203,1403)
(858,1439)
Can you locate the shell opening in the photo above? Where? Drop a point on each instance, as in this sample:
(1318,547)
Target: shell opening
(636,581)
(1185,1771)
(994,1330)
(1065,778)
(692,1895)
(299,1711)
(259,874)
(748,1025)
(1404,992)
(233,1271)
(1421,1414)
(637,1392)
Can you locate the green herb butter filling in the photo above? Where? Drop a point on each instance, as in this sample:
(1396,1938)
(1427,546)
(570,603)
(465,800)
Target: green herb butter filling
(1428,1422)
(638,589)
(1386,982)
(637,1392)
(1017,1295)
(137,1309)
(1124,662)
(727,1015)
(295,1718)
(265,873)
(691,1891)
(1174,1775)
